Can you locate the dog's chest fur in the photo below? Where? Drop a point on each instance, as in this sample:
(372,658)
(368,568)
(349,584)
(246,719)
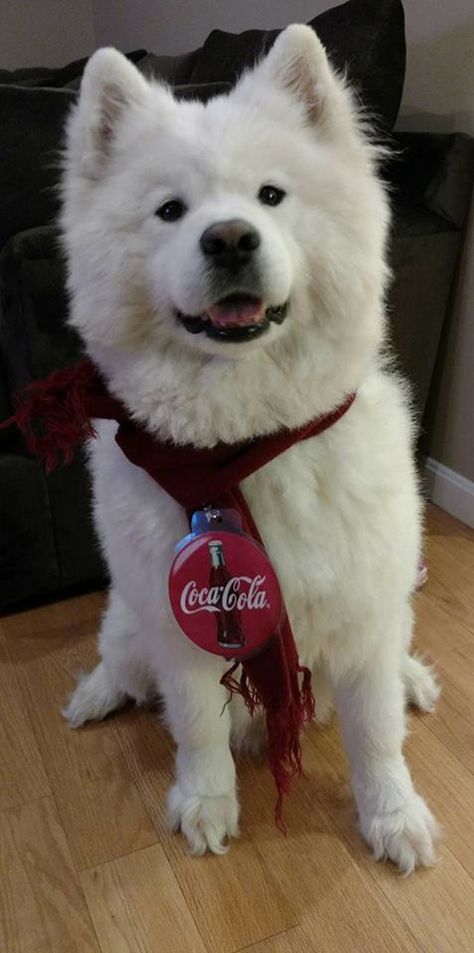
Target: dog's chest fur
(325,509)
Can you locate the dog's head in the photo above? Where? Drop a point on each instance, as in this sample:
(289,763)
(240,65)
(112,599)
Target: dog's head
(253,224)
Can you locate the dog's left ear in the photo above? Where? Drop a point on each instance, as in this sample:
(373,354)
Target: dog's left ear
(297,64)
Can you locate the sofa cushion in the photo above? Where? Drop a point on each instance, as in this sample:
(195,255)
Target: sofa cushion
(365,36)
(31,134)
(57,78)
(34,336)
(28,559)
(47,543)
(5,407)
(31,130)
(423,253)
(175,70)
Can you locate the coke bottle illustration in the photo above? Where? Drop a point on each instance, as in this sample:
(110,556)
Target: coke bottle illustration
(228,620)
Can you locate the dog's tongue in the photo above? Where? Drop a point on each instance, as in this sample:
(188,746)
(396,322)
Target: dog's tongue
(236,311)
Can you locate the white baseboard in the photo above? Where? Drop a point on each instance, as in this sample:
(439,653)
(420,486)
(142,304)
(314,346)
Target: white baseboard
(449,490)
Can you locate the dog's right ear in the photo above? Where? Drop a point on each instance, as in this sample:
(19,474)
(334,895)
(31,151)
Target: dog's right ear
(110,86)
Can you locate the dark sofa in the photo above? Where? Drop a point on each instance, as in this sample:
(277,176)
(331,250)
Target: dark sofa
(47,543)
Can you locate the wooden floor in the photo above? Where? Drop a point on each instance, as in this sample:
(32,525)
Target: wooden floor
(87,863)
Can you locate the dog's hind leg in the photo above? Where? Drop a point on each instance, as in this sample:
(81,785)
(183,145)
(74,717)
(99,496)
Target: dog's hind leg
(420,682)
(119,675)
(93,698)
(248,732)
(322,690)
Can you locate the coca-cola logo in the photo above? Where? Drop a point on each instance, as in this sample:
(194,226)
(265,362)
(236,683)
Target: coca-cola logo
(224,593)
(231,596)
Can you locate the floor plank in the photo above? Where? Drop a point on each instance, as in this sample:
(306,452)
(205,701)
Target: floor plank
(450,554)
(98,802)
(42,904)
(22,775)
(137,906)
(148,750)
(236,899)
(247,902)
(450,643)
(449,789)
(314,891)
(339,907)
(291,941)
(438,906)
(450,794)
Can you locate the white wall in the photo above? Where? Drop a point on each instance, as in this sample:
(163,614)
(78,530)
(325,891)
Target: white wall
(452,441)
(439,85)
(44,32)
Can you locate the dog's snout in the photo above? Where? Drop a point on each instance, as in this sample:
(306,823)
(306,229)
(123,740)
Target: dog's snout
(229,244)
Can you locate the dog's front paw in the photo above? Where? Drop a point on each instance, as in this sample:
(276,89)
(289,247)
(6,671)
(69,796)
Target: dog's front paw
(406,836)
(207,821)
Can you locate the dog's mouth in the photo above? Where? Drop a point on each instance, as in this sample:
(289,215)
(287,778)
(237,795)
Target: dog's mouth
(237,317)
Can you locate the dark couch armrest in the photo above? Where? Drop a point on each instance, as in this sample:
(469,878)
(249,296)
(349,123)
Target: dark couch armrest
(5,405)
(433,170)
(8,436)
(34,336)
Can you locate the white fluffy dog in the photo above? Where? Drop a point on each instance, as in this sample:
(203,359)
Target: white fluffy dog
(227,274)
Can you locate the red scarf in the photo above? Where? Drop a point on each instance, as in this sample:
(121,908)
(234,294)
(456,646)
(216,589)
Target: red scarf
(57,415)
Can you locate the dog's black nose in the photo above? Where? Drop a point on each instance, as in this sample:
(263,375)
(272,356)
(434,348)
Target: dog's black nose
(229,244)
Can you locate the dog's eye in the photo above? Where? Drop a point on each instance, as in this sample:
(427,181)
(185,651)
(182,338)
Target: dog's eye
(271,195)
(171,211)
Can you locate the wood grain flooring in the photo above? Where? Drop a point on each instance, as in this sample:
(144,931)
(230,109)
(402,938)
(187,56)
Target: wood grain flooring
(88,866)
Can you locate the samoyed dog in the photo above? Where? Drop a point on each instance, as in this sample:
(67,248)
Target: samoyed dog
(227,274)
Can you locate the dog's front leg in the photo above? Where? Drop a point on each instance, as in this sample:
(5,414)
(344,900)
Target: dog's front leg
(394,819)
(203,802)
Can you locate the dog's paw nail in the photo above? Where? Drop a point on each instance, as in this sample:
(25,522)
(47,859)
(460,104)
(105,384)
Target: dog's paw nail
(407,836)
(207,821)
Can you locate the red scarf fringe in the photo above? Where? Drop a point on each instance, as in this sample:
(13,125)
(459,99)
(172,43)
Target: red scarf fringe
(53,418)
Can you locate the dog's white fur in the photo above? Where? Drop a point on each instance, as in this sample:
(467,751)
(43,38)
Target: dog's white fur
(340,513)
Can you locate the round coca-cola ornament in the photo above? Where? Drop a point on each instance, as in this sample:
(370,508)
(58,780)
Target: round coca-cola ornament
(224,592)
